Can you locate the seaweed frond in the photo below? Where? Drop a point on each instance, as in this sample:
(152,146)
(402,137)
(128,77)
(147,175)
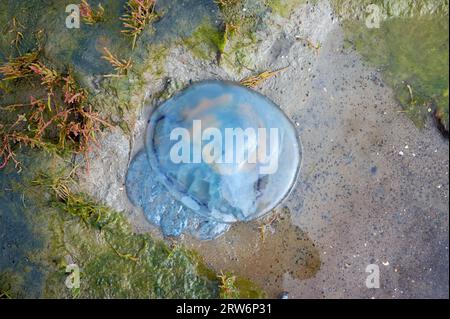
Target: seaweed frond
(89,15)
(227,286)
(61,120)
(310,44)
(254,81)
(227,3)
(121,66)
(139,14)
(49,77)
(16,29)
(17,68)
(76,204)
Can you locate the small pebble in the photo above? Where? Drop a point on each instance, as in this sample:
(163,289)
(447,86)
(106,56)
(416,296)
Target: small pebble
(284,295)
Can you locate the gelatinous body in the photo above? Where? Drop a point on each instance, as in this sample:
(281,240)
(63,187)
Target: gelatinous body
(224,152)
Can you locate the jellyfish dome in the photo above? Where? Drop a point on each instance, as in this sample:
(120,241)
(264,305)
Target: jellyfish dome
(215,153)
(224,151)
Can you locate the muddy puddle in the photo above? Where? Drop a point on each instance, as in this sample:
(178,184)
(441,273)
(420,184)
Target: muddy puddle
(263,252)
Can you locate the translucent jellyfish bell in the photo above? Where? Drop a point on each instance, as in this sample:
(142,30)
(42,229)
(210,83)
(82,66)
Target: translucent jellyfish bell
(224,151)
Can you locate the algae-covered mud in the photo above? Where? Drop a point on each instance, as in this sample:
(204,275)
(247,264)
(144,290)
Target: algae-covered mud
(47,228)
(358,207)
(407,38)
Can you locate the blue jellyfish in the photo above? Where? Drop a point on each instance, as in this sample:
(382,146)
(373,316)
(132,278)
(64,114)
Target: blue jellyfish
(215,154)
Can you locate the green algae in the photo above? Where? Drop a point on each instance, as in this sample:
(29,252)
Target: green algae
(247,289)
(241,20)
(358,9)
(232,287)
(411,48)
(206,42)
(9,281)
(230,42)
(157,59)
(284,7)
(115,264)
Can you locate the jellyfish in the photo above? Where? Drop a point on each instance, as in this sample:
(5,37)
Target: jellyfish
(215,154)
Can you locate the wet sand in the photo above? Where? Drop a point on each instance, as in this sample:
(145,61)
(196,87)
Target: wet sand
(373,187)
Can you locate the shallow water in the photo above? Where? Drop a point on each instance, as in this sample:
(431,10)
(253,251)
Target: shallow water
(19,237)
(267,257)
(359,200)
(82,48)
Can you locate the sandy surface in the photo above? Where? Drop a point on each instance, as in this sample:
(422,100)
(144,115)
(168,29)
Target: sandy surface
(373,188)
